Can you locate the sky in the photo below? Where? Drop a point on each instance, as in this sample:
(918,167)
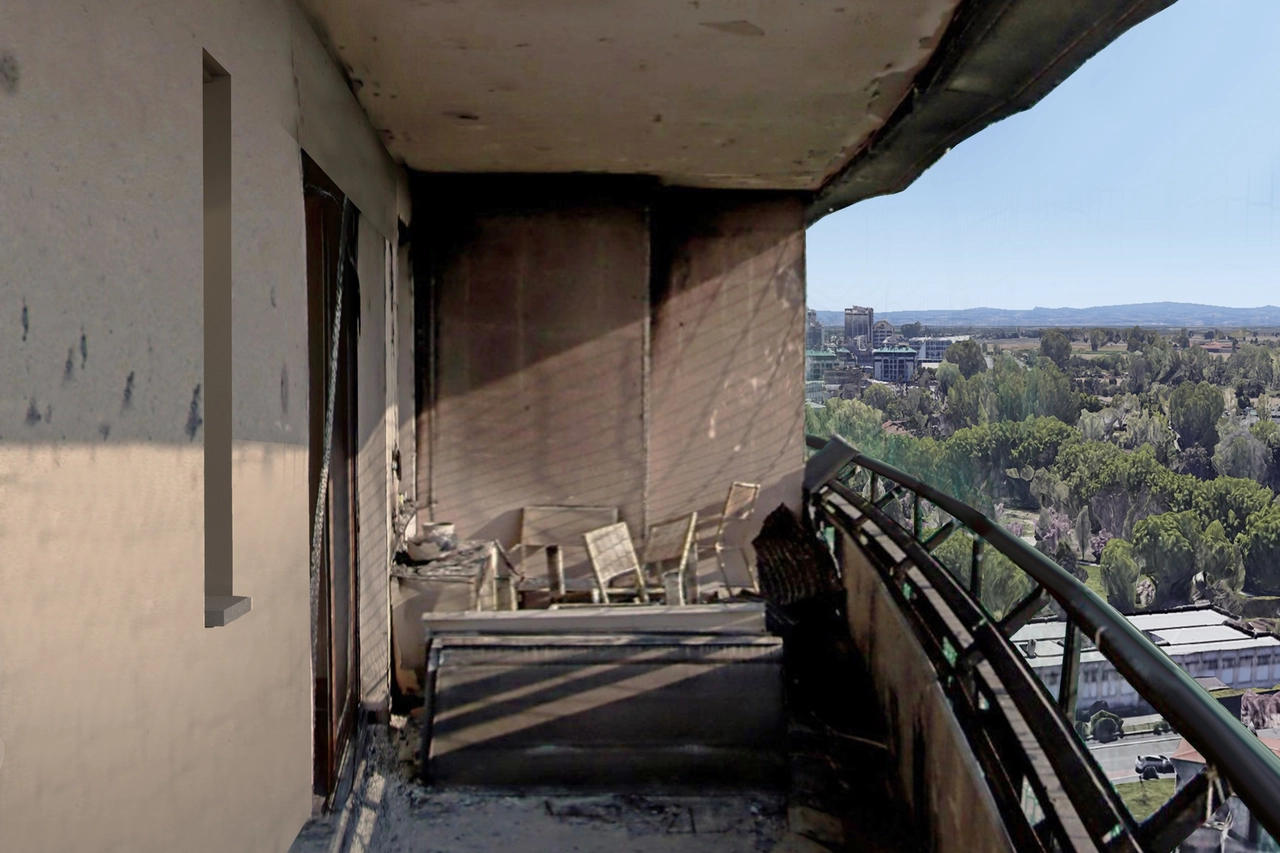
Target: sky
(1151,174)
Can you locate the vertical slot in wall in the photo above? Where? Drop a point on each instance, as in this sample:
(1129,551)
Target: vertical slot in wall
(220,605)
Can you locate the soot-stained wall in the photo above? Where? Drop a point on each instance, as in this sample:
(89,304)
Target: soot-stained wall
(606,342)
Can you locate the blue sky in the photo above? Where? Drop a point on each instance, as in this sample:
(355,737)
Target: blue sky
(1151,174)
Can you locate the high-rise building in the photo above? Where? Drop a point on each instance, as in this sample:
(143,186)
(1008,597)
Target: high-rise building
(858,321)
(813,331)
(880,332)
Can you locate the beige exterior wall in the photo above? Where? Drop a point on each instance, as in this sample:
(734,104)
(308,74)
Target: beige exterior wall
(126,724)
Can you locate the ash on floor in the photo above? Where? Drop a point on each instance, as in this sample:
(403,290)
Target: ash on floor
(392,812)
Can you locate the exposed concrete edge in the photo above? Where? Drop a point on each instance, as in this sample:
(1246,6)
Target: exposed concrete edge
(222,610)
(342,829)
(997,58)
(736,618)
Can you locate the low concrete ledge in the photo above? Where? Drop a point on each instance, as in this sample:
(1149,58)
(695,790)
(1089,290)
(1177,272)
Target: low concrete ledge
(736,619)
(619,711)
(220,610)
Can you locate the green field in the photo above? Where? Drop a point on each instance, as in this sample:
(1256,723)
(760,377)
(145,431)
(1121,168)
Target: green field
(1095,579)
(1143,798)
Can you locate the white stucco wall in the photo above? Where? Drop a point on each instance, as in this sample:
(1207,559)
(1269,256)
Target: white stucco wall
(126,724)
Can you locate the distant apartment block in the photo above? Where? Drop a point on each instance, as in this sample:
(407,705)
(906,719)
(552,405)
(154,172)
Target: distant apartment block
(933,348)
(858,321)
(895,364)
(813,331)
(816,392)
(818,362)
(880,333)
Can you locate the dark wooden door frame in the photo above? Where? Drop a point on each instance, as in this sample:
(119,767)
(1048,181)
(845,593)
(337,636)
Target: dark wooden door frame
(336,691)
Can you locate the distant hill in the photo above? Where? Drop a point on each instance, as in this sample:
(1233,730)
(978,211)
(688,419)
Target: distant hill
(1176,314)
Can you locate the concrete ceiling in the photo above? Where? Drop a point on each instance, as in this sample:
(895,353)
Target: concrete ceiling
(702,93)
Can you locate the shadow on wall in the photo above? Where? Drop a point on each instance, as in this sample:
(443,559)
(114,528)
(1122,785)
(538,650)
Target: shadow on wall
(605,341)
(727,391)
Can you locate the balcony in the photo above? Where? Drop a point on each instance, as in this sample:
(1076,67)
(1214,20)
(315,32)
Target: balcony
(486,259)
(930,730)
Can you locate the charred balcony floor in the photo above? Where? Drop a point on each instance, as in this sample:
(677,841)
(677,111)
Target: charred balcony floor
(836,791)
(842,789)
(392,811)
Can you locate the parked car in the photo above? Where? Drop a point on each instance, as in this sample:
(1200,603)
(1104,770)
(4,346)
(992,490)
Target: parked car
(1149,763)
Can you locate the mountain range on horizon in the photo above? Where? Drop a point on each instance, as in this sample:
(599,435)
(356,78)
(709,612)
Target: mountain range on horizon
(1175,314)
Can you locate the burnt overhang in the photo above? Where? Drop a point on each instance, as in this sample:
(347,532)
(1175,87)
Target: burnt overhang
(998,57)
(835,100)
(716,94)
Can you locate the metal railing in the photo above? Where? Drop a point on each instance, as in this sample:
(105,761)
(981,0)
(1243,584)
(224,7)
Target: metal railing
(1012,722)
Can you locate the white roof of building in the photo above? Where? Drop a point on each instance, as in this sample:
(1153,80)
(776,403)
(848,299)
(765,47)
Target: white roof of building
(1179,633)
(1179,618)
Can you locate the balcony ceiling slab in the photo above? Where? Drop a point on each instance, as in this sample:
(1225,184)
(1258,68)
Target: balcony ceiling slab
(702,93)
(842,100)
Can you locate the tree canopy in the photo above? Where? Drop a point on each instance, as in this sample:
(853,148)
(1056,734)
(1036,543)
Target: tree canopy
(1165,478)
(1260,550)
(1241,454)
(880,397)
(1165,546)
(1194,411)
(967,355)
(911,330)
(1119,574)
(1055,346)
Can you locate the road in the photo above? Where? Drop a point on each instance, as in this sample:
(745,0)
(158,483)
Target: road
(1117,758)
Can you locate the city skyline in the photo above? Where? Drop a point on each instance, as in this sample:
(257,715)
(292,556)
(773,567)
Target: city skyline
(1149,175)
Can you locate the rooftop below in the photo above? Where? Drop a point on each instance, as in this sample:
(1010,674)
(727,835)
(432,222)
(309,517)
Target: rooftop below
(1181,632)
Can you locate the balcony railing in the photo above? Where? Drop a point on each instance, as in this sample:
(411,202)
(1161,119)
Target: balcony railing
(1049,790)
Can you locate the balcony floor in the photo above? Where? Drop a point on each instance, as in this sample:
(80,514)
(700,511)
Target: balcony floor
(391,812)
(841,793)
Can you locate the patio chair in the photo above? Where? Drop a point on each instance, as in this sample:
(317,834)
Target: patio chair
(670,550)
(554,528)
(738,506)
(612,558)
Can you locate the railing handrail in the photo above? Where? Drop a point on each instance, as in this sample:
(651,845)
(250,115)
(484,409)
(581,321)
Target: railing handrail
(1252,769)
